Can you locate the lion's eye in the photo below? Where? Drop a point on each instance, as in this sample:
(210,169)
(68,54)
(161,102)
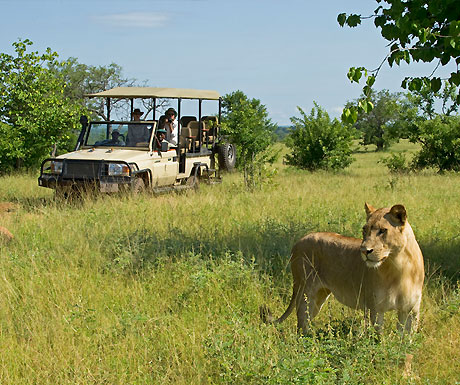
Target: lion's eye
(382,231)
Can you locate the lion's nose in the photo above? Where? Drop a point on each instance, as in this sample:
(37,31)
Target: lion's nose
(366,251)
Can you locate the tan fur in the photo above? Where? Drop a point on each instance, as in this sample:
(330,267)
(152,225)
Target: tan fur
(7,207)
(382,272)
(5,235)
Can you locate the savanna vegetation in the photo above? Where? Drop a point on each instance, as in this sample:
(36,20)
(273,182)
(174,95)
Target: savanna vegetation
(166,289)
(122,289)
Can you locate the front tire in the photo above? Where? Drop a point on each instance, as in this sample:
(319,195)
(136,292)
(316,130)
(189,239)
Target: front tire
(138,186)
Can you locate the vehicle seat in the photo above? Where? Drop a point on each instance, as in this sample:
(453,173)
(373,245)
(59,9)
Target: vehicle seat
(186,139)
(209,131)
(194,127)
(185,120)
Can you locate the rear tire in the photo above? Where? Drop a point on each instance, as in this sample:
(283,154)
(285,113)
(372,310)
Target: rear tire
(193,182)
(227,156)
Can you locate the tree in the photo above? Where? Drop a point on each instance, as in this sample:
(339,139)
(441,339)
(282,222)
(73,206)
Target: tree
(316,142)
(82,79)
(380,126)
(417,30)
(434,126)
(426,99)
(248,126)
(440,140)
(35,115)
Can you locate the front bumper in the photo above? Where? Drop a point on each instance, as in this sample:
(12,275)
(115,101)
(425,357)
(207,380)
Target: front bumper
(83,173)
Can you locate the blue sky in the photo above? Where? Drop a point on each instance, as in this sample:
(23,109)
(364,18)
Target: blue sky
(285,53)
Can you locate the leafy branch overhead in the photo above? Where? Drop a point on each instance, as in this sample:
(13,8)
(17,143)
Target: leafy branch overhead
(417,31)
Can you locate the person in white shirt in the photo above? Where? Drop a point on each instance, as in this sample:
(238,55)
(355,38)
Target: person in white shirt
(171,126)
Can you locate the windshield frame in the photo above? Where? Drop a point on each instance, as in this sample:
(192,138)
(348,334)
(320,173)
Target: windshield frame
(120,126)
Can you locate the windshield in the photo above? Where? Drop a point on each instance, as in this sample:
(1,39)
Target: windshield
(119,134)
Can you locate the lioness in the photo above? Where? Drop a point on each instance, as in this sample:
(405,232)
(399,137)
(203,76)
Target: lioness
(382,272)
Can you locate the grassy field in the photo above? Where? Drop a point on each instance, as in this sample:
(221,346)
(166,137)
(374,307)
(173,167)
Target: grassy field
(166,289)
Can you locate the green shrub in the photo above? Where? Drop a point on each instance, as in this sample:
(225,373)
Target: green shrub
(396,163)
(440,140)
(246,123)
(316,142)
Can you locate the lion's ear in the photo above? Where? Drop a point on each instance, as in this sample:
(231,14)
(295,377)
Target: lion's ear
(369,209)
(398,214)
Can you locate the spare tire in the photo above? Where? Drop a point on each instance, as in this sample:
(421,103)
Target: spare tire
(227,156)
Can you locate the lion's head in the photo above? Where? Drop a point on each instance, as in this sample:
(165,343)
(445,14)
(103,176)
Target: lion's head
(383,234)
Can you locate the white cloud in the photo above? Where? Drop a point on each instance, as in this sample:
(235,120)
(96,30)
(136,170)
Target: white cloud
(135,19)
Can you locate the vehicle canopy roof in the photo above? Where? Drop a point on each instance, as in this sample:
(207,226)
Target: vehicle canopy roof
(156,92)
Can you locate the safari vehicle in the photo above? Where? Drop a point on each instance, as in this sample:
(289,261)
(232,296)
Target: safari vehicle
(106,156)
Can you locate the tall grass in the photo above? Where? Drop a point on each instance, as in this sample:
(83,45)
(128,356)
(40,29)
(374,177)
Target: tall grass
(165,289)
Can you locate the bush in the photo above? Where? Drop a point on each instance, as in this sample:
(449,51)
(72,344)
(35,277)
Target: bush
(34,114)
(396,163)
(316,142)
(247,125)
(440,140)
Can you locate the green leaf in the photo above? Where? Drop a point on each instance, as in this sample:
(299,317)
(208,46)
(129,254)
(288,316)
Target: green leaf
(351,73)
(370,106)
(455,78)
(341,19)
(435,84)
(370,80)
(379,21)
(357,75)
(415,84)
(353,20)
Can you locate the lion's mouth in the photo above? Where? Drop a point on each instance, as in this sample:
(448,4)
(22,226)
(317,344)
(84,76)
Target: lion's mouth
(370,262)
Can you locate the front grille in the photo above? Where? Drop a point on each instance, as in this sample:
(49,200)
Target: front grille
(81,170)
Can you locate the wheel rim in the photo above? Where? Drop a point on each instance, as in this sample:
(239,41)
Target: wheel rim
(231,152)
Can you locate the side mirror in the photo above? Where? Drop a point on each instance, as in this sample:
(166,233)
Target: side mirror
(164,146)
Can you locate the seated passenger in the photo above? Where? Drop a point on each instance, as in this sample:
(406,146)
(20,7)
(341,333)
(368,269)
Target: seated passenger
(162,122)
(116,139)
(172,126)
(137,133)
(161,138)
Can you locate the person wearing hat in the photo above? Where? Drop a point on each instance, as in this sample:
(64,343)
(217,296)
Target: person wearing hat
(160,138)
(171,126)
(136,115)
(137,133)
(116,139)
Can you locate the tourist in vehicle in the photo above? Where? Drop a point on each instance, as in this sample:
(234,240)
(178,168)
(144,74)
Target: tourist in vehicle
(116,139)
(137,133)
(162,122)
(161,138)
(171,126)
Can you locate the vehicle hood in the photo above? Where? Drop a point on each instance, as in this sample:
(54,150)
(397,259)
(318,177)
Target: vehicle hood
(110,154)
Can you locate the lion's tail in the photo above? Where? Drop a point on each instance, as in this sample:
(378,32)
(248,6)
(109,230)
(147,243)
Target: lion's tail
(266,315)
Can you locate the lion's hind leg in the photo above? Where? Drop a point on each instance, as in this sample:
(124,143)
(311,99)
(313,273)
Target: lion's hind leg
(309,305)
(319,299)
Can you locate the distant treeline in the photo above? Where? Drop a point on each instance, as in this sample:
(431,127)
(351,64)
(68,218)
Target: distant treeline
(281,132)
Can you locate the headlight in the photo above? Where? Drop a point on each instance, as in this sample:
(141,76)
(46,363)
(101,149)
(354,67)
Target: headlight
(118,169)
(56,167)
